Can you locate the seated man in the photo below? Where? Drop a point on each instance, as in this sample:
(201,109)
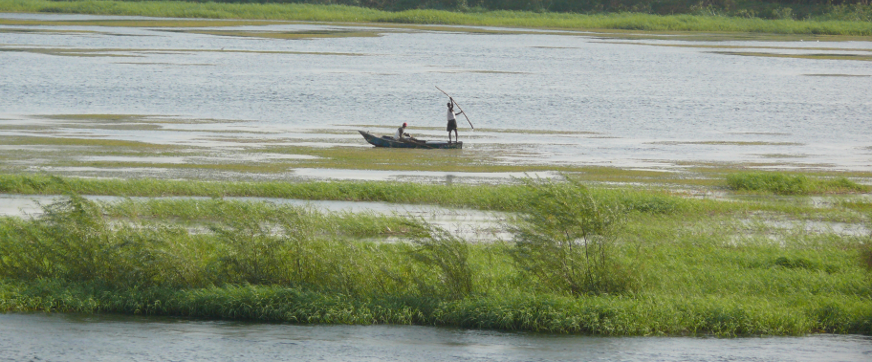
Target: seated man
(401,132)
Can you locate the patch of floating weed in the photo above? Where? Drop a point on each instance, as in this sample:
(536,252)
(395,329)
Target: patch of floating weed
(727,143)
(554,47)
(138,118)
(709,46)
(837,75)
(534,131)
(117,127)
(479,72)
(802,56)
(775,35)
(68,52)
(276,52)
(97,117)
(286,34)
(386,159)
(389,159)
(781,155)
(27,127)
(45,31)
(243,166)
(762,133)
(256,141)
(169,64)
(472,30)
(96,142)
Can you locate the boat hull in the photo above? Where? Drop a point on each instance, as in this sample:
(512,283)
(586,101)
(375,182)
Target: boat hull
(390,142)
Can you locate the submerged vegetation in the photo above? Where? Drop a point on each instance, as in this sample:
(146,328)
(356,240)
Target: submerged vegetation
(581,259)
(720,16)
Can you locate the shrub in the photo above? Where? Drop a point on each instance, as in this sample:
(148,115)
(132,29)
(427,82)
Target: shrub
(447,257)
(566,240)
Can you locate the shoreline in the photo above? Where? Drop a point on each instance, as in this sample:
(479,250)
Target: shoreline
(619,22)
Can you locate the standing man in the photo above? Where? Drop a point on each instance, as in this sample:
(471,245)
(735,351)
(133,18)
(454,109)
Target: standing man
(452,122)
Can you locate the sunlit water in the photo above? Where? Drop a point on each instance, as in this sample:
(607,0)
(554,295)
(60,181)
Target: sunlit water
(40,337)
(643,105)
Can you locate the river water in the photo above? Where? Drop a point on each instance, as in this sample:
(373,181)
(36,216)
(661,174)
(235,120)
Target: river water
(61,337)
(629,103)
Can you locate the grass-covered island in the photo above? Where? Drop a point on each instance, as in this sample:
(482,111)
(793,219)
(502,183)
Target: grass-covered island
(844,18)
(768,260)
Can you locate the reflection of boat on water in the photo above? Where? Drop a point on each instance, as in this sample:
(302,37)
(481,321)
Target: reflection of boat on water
(389,141)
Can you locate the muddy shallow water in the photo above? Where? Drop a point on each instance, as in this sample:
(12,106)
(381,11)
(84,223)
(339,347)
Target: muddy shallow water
(471,225)
(60,337)
(567,99)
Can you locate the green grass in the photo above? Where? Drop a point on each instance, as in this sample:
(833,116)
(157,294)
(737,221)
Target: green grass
(337,13)
(697,273)
(504,197)
(791,184)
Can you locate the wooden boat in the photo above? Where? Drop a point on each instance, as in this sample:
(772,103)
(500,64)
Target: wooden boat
(390,141)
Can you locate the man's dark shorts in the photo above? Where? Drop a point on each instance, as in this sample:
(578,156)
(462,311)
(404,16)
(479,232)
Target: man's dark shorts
(452,125)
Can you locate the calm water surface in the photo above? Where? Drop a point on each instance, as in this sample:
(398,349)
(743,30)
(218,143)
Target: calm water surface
(637,103)
(59,337)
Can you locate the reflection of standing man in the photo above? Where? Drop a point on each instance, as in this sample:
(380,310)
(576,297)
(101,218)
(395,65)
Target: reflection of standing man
(452,122)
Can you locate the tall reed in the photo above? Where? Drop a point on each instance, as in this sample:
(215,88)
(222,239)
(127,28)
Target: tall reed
(690,272)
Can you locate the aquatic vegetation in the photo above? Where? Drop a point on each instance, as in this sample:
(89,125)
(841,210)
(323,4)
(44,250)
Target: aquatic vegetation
(722,46)
(782,155)
(504,18)
(503,197)
(565,238)
(286,35)
(69,52)
(446,257)
(861,57)
(837,75)
(786,184)
(95,142)
(727,143)
(696,267)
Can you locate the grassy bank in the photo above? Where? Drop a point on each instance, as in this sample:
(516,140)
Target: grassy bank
(685,266)
(525,19)
(502,197)
(505,197)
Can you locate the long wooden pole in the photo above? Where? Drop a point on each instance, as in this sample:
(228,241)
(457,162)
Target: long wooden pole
(458,107)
